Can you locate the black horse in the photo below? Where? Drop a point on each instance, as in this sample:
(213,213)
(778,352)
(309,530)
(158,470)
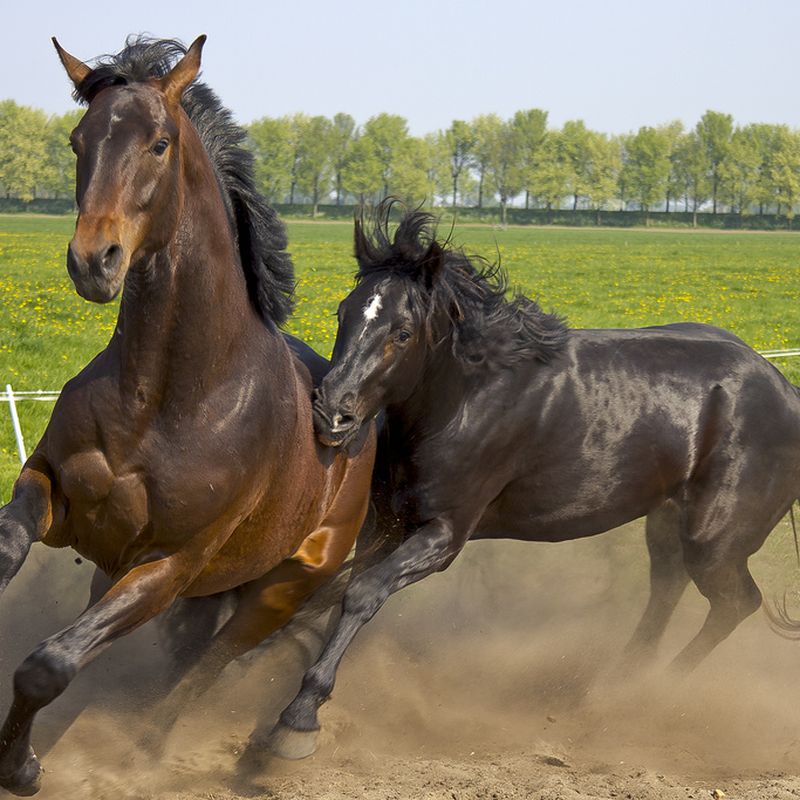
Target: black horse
(502,423)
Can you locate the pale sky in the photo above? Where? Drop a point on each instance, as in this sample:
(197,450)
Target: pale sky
(616,65)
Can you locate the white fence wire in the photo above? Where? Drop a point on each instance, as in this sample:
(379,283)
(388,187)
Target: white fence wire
(43,395)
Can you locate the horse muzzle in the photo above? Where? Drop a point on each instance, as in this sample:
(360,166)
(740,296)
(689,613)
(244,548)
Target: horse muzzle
(98,276)
(334,428)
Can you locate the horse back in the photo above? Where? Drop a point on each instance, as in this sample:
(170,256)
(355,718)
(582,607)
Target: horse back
(620,421)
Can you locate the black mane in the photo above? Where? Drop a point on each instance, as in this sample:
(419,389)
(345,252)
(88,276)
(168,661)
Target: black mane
(488,327)
(260,235)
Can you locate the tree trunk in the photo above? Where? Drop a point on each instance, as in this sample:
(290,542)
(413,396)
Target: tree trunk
(291,194)
(527,199)
(575,203)
(668,198)
(480,191)
(455,189)
(503,210)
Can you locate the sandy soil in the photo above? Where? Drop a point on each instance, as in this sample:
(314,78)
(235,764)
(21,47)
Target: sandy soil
(498,679)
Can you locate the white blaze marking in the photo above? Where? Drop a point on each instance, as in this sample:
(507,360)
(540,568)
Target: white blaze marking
(373,307)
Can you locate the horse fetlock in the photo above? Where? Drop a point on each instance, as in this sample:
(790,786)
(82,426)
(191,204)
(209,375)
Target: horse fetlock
(24,779)
(301,713)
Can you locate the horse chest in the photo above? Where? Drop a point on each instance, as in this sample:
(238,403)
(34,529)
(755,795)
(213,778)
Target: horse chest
(106,510)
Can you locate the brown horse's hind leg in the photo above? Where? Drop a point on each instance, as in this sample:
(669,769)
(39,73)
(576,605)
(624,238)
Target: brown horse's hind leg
(668,580)
(144,592)
(23,521)
(265,605)
(268,603)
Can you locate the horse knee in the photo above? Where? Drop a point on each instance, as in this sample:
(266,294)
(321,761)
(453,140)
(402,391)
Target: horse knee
(364,597)
(15,542)
(42,677)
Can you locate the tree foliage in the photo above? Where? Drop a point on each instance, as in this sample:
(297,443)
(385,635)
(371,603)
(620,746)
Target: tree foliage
(486,161)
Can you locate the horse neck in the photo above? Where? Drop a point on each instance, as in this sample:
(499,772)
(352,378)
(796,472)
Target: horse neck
(438,396)
(185,314)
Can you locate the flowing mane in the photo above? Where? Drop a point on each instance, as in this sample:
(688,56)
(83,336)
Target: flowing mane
(489,328)
(260,235)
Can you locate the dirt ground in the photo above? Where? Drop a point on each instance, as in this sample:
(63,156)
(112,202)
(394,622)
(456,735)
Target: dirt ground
(498,679)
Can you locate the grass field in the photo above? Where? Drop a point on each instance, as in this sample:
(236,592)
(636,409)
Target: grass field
(745,282)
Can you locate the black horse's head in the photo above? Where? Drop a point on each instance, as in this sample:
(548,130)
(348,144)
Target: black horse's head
(415,297)
(386,325)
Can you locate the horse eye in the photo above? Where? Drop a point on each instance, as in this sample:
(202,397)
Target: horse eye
(160,146)
(403,336)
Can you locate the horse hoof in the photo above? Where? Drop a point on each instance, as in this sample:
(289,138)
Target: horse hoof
(288,743)
(25,781)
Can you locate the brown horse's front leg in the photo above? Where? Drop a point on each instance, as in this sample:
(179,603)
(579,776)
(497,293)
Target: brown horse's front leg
(144,592)
(23,521)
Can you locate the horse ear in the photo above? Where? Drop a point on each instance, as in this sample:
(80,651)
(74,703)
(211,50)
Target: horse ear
(360,243)
(174,83)
(432,264)
(75,68)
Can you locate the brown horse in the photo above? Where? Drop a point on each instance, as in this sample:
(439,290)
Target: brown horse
(182,460)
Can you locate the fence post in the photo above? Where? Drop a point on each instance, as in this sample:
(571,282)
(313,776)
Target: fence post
(12,407)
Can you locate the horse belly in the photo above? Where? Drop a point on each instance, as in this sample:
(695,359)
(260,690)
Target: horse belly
(537,509)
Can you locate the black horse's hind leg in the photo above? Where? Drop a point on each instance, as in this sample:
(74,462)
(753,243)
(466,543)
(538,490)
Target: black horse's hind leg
(431,548)
(733,596)
(668,580)
(187,629)
(23,521)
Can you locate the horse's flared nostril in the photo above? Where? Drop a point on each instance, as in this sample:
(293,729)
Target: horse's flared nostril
(111,258)
(343,421)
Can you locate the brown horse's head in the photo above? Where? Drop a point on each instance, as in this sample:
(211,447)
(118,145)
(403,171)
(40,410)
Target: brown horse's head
(128,170)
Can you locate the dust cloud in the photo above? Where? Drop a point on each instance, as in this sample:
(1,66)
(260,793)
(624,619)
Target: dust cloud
(502,676)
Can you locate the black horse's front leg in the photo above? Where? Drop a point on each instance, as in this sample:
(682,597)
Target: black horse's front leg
(144,592)
(430,549)
(23,521)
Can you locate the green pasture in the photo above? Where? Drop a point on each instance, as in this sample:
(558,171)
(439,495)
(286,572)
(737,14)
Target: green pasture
(746,282)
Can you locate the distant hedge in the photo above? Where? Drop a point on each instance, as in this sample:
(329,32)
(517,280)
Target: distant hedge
(11,205)
(491,216)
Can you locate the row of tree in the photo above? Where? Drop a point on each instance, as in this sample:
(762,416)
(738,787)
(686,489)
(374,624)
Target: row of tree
(487,161)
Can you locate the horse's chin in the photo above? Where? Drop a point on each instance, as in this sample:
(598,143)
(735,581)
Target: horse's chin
(339,438)
(100,291)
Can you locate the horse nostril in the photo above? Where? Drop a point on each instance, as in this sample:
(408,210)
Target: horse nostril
(343,421)
(111,258)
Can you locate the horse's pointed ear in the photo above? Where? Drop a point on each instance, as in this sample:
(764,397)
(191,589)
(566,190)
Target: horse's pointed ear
(360,243)
(432,264)
(174,83)
(75,68)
